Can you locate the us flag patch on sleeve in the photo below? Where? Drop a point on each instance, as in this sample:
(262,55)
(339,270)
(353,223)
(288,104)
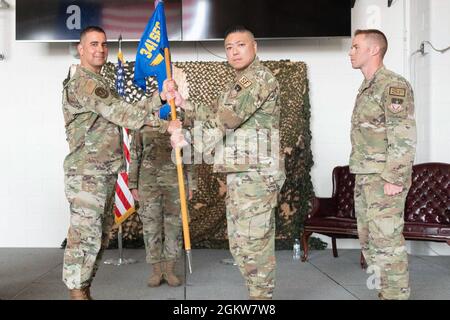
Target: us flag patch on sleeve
(399,92)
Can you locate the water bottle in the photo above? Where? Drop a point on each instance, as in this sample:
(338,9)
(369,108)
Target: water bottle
(296,252)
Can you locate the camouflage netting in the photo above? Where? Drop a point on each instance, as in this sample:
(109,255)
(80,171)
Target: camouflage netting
(207,208)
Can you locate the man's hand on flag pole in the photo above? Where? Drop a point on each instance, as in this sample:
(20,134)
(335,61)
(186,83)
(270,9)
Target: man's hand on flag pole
(145,67)
(177,139)
(174,125)
(169,86)
(179,100)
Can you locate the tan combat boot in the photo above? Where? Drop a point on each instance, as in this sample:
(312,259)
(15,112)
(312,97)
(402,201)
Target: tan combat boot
(88,293)
(79,294)
(156,277)
(169,274)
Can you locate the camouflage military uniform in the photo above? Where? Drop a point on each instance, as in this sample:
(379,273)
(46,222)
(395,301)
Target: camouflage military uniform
(93,116)
(154,174)
(249,108)
(383,139)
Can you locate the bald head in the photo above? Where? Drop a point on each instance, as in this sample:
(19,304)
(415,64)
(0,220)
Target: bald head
(239,29)
(374,38)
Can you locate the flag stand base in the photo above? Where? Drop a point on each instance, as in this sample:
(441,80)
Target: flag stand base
(121,260)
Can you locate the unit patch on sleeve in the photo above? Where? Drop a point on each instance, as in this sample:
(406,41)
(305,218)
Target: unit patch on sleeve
(101,92)
(396,105)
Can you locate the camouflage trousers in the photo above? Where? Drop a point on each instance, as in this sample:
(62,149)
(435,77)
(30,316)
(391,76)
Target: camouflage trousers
(380,230)
(159,210)
(251,201)
(91,218)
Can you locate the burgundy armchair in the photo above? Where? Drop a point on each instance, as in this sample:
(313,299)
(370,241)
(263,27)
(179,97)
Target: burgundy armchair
(427,208)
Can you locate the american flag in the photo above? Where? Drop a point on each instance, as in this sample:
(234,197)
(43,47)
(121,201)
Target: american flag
(124,202)
(130,19)
(120,81)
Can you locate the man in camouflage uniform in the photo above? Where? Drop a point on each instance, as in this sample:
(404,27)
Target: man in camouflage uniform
(153,182)
(94,115)
(249,109)
(383,137)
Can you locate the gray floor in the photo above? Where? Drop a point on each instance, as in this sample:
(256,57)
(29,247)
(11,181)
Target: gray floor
(35,274)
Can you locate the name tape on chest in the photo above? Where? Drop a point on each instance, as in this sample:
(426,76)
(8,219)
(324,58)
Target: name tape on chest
(89,86)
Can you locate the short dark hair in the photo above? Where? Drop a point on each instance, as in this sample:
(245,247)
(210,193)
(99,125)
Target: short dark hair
(376,35)
(91,29)
(237,28)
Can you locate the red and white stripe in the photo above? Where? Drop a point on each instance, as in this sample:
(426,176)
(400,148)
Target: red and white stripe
(130,20)
(124,202)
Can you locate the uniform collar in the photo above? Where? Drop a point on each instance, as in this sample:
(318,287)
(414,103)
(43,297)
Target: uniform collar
(368,83)
(89,72)
(255,63)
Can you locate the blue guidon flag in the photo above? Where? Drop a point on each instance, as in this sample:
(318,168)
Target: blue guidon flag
(150,53)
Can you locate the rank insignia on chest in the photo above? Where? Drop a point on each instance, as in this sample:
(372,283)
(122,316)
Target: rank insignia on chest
(236,89)
(101,92)
(399,92)
(243,81)
(396,105)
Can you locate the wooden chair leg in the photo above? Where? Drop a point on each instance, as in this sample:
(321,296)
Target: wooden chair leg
(305,239)
(333,243)
(362,262)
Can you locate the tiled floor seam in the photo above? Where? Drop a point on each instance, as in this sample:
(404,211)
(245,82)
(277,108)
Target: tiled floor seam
(30,284)
(329,277)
